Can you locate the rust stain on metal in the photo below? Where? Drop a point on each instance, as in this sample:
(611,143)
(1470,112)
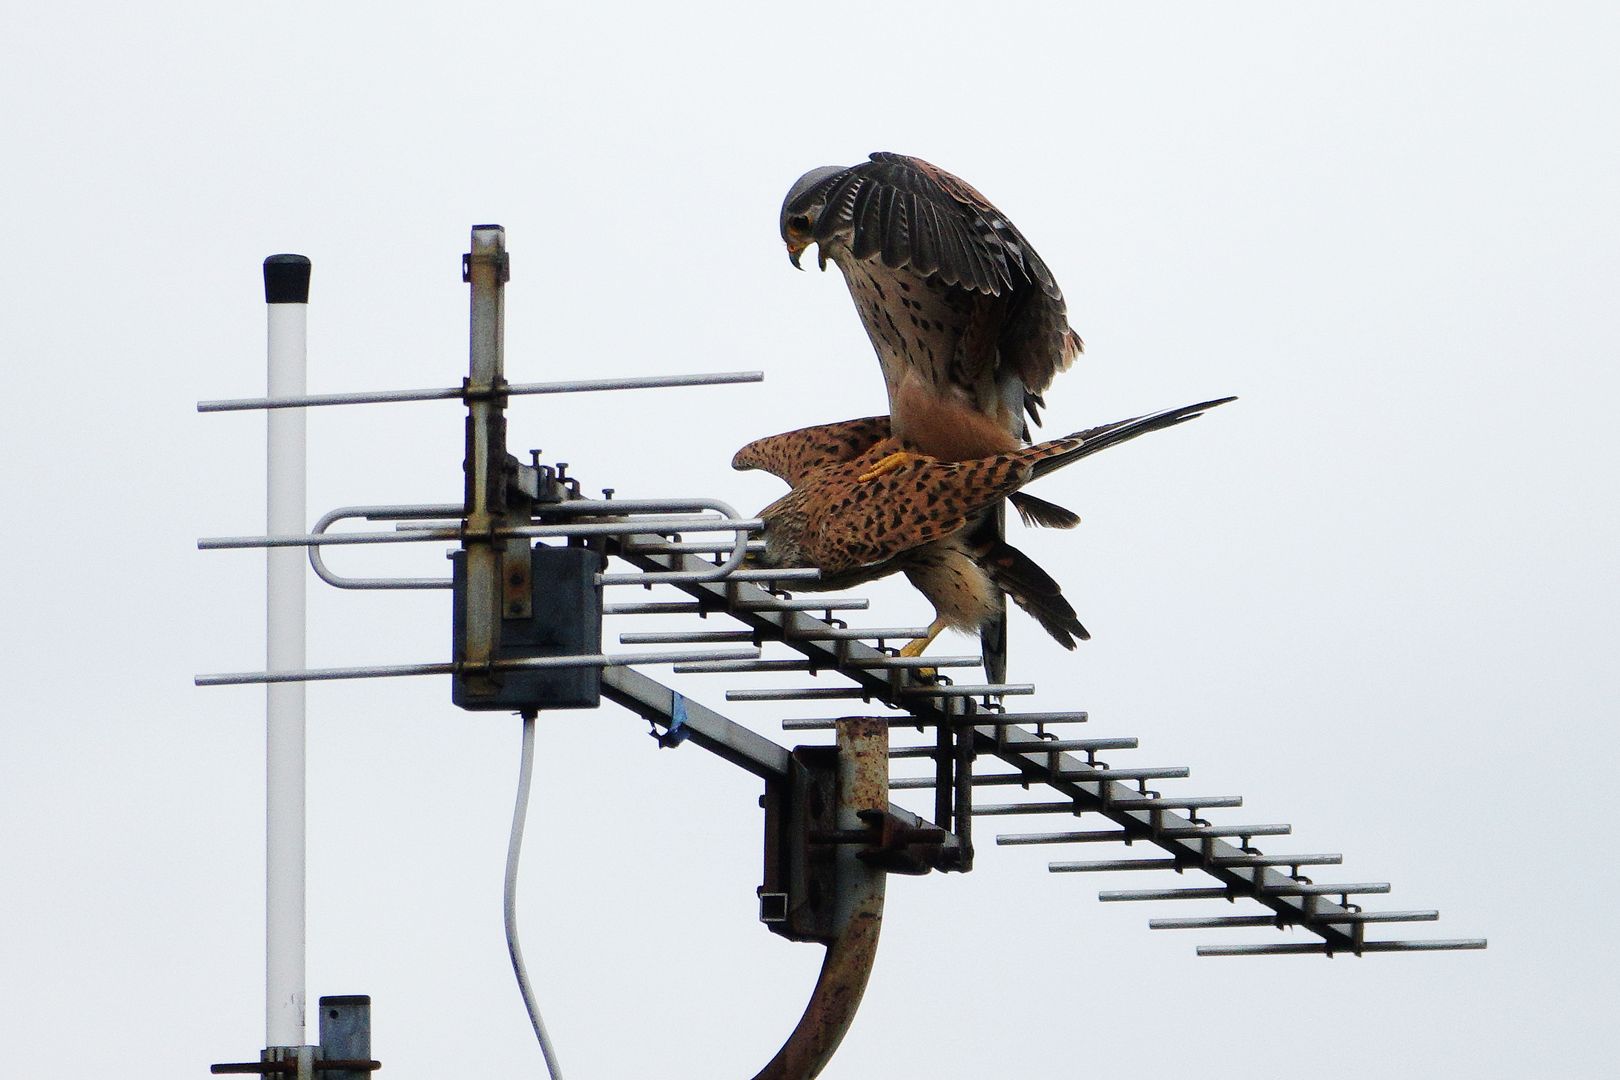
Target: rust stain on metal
(863,791)
(517,595)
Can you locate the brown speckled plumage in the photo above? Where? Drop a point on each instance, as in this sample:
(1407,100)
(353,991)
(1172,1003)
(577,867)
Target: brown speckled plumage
(923,516)
(794,454)
(968,324)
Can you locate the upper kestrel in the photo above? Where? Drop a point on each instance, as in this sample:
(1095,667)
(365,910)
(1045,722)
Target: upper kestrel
(859,511)
(968,324)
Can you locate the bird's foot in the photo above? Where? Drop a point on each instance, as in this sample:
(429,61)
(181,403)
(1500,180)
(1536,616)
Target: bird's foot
(916,647)
(896,460)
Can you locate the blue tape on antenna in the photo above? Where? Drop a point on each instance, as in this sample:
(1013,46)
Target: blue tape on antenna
(678,731)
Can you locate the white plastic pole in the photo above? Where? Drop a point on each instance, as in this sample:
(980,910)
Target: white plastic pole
(286,292)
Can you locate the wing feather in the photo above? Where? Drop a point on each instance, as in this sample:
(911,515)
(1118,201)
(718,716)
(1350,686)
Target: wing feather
(924,235)
(853,524)
(794,455)
(859,523)
(896,228)
(836,218)
(867,236)
(901,214)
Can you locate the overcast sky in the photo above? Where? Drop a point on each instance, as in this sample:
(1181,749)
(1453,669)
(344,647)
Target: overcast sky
(1376,596)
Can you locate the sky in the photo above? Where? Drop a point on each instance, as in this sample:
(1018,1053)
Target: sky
(1375,596)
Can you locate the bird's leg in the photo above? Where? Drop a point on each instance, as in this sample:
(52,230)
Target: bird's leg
(888,464)
(916,646)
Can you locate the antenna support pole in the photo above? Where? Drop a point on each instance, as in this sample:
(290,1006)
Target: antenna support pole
(862,800)
(286,293)
(489,595)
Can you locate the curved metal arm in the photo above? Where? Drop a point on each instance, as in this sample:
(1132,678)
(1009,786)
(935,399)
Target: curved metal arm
(378,513)
(863,785)
(615,507)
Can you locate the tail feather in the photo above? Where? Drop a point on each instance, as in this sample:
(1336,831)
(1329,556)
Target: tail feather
(993,643)
(1100,438)
(1015,574)
(1034,590)
(989,533)
(1033,404)
(1040,513)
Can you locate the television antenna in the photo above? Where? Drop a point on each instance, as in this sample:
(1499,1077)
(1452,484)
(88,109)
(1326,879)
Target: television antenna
(531,571)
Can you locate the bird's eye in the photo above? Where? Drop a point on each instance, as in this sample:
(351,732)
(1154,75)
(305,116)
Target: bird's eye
(799,223)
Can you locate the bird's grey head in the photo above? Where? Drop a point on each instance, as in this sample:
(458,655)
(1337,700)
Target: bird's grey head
(802,206)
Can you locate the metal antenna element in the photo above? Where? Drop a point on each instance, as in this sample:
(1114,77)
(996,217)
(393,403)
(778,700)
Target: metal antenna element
(462,393)
(970,728)
(506,650)
(532,561)
(506,505)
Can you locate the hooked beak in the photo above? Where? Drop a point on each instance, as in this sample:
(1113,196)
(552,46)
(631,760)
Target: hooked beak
(794,251)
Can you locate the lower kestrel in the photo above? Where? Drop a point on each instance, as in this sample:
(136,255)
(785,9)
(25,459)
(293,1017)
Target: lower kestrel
(862,506)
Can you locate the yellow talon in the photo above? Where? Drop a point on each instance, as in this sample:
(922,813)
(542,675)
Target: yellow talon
(894,461)
(916,647)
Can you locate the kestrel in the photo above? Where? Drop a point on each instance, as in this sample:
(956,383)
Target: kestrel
(967,321)
(968,324)
(857,519)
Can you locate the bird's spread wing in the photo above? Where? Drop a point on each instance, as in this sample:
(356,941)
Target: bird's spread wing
(944,284)
(792,455)
(910,213)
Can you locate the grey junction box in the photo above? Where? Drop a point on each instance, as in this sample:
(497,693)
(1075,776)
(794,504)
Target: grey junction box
(566,621)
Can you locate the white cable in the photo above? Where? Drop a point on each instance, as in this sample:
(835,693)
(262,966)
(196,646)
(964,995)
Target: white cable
(513,850)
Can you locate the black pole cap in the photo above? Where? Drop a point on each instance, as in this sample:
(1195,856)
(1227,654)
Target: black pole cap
(286,279)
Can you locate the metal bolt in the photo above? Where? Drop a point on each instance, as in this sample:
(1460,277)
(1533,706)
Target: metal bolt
(607,493)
